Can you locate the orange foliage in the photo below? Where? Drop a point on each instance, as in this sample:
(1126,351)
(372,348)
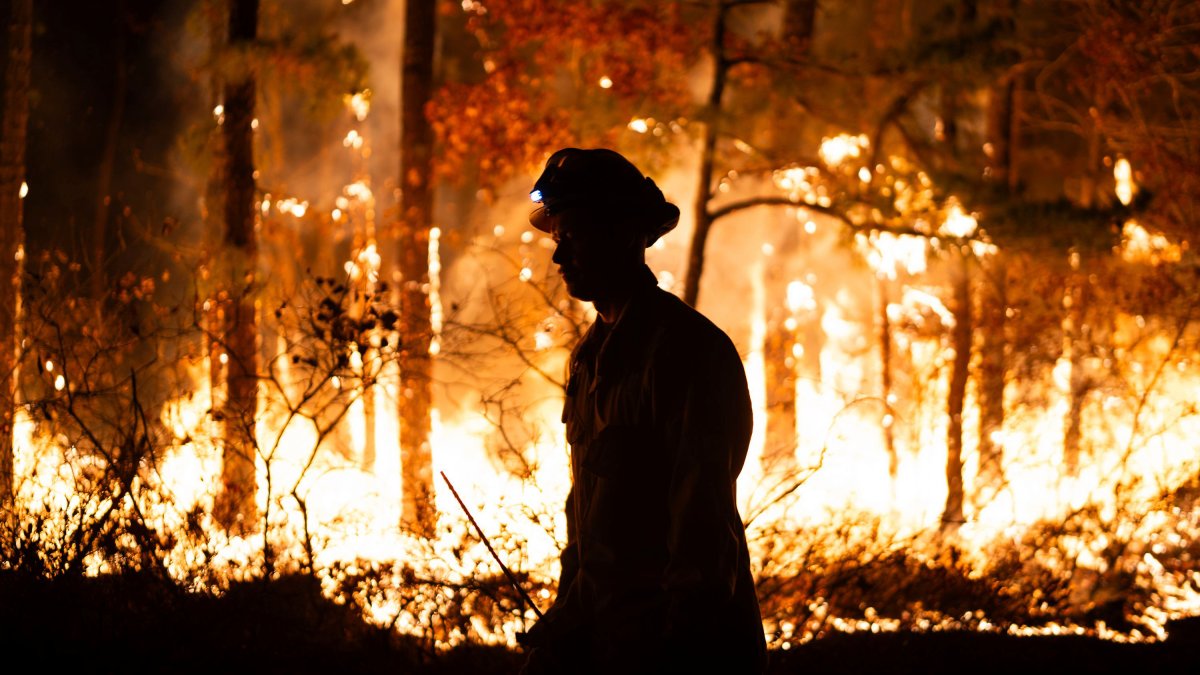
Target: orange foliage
(541,84)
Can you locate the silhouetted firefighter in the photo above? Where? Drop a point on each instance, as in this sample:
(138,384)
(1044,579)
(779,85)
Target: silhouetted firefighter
(656,574)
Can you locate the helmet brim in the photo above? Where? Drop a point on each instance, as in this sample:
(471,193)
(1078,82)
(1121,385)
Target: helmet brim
(540,219)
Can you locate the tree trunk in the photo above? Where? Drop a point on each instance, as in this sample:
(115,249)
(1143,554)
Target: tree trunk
(812,343)
(367,461)
(1076,340)
(885,369)
(993,300)
(952,516)
(960,372)
(416,365)
(112,135)
(1079,383)
(780,362)
(17,57)
(240,329)
(704,188)
(992,368)
(212,310)
(799,18)
(779,367)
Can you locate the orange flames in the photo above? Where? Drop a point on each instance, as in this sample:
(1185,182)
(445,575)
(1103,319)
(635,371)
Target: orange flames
(320,494)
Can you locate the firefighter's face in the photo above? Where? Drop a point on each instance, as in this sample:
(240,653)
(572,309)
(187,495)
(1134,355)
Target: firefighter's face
(591,255)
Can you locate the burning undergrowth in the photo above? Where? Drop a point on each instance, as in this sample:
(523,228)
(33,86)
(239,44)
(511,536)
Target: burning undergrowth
(974,407)
(118,474)
(856,577)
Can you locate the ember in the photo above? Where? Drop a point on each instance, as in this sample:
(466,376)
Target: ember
(287,279)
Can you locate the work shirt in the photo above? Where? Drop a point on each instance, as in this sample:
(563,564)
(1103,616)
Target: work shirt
(656,571)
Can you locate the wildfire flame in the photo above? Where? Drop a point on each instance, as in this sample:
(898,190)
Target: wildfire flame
(858,457)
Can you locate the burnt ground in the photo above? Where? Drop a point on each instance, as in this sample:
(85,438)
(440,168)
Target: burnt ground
(133,625)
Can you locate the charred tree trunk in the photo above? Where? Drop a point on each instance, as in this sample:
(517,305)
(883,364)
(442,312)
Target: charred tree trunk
(992,367)
(779,369)
(799,19)
(367,462)
(780,362)
(779,366)
(1076,338)
(960,373)
(236,508)
(952,516)
(812,343)
(416,365)
(112,135)
(17,59)
(212,309)
(993,301)
(704,190)
(885,369)
(1079,384)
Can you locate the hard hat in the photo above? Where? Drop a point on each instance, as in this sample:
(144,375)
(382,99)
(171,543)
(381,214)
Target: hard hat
(602,180)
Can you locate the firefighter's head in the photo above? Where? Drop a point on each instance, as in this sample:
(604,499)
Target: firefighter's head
(603,214)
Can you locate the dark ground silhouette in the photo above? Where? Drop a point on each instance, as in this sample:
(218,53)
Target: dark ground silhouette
(131,624)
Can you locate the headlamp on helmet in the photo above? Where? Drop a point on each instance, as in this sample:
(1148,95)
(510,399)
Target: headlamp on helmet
(602,180)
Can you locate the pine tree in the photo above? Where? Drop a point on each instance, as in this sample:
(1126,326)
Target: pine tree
(416,329)
(240,322)
(13,130)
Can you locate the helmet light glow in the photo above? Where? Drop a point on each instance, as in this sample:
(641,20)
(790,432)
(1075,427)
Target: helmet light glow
(536,195)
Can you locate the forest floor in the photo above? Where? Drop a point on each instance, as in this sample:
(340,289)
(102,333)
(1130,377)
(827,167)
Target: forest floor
(126,625)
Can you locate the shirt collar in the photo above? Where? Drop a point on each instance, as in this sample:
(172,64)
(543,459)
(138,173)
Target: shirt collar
(621,336)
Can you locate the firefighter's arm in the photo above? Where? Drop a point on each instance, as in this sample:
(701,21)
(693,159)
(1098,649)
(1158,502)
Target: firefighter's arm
(709,439)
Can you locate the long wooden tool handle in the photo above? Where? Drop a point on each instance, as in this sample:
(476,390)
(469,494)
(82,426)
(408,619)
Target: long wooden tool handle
(511,579)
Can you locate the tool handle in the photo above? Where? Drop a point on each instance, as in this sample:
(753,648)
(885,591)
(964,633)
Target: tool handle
(511,579)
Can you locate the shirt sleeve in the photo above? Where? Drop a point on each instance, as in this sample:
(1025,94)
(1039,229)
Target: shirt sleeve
(709,400)
(565,610)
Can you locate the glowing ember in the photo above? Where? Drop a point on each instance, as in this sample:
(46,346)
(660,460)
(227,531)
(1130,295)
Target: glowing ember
(839,148)
(1123,175)
(800,297)
(360,104)
(958,223)
(356,190)
(1139,245)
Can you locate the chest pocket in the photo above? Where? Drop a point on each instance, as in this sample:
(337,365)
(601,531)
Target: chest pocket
(629,454)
